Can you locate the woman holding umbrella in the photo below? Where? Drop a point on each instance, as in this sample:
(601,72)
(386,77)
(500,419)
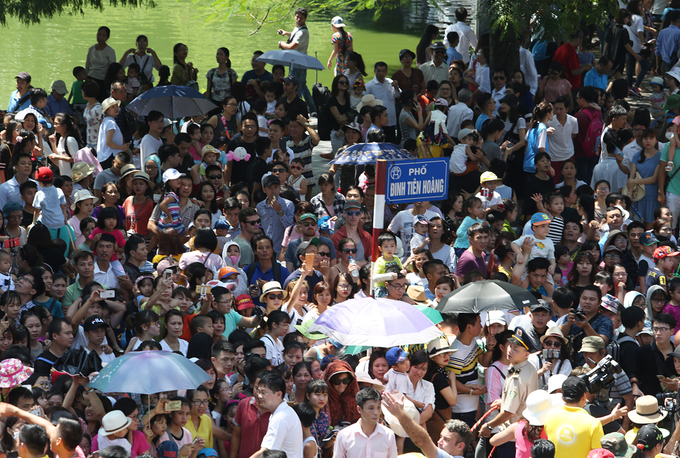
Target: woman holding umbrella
(342,389)
(445,393)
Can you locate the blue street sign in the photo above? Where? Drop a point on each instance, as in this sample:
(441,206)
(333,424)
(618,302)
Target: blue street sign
(420,179)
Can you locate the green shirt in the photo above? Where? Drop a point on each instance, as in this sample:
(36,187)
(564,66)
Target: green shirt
(73,292)
(674,184)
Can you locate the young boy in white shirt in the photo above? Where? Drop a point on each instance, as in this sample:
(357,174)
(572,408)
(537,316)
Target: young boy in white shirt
(491,200)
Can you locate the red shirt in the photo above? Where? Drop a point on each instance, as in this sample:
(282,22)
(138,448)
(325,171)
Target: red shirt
(253,426)
(566,55)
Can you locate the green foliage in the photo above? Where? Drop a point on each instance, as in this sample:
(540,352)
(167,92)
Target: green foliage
(29,12)
(553,20)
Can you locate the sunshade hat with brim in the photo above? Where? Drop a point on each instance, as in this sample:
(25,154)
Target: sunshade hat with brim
(139,175)
(127,170)
(115,422)
(81,170)
(438,346)
(554,332)
(364,377)
(417,293)
(368,100)
(83,194)
(272,287)
(555,383)
(646,411)
(13,373)
(538,407)
(108,103)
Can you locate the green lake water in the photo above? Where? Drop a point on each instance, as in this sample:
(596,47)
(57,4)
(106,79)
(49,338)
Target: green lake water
(50,50)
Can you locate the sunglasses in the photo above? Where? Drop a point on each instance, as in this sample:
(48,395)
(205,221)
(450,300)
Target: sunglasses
(553,343)
(349,250)
(214,177)
(278,170)
(499,78)
(344,83)
(275,296)
(255,223)
(353,213)
(296,167)
(308,223)
(325,254)
(342,381)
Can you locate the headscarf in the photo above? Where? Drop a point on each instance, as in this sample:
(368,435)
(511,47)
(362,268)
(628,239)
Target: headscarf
(157,160)
(630,297)
(649,312)
(342,407)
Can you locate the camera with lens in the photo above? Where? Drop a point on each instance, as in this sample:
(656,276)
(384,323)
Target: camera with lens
(601,377)
(579,316)
(668,402)
(551,353)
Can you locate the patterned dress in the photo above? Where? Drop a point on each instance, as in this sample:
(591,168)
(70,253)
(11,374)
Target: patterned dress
(344,48)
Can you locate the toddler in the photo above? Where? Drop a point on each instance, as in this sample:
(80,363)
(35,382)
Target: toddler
(541,245)
(50,206)
(397,375)
(357,93)
(270,97)
(296,180)
(194,131)
(491,200)
(657,97)
(420,239)
(260,109)
(435,136)
(6,282)
(169,206)
(387,244)
(673,144)
(462,153)
(210,155)
(133,83)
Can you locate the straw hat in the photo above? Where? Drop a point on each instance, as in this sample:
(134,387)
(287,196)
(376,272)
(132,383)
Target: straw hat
(647,411)
(417,293)
(13,373)
(272,287)
(139,175)
(368,100)
(127,170)
(554,332)
(108,103)
(81,170)
(438,346)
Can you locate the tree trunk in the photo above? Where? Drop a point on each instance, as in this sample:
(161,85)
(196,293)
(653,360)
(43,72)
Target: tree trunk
(503,52)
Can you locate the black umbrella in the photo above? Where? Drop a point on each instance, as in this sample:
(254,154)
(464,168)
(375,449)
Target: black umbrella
(484,296)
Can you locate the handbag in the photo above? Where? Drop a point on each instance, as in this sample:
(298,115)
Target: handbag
(638,190)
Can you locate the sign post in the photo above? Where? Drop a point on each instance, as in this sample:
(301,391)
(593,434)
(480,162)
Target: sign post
(404,182)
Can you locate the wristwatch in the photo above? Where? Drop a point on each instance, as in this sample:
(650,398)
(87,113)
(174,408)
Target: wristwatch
(280,213)
(489,427)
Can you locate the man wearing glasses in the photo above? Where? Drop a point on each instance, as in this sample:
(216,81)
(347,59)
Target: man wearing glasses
(250,227)
(308,226)
(320,262)
(351,230)
(436,69)
(397,287)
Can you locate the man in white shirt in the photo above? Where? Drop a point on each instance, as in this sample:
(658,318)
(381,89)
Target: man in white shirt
(453,440)
(561,142)
(460,112)
(528,67)
(436,69)
(152,141)
(498,91)
(386,90)
(366,437)
(284,431)
(467,36)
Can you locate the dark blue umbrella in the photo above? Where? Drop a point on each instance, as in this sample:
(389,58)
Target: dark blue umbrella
(173,101)
(369,153)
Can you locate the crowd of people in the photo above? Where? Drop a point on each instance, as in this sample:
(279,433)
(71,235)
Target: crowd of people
(213,237)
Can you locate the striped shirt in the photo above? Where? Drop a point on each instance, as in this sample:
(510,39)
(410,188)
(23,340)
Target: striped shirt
(464,364)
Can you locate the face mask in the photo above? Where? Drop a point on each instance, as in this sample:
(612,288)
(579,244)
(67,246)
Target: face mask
(669,135)
(234,259)
(15,435)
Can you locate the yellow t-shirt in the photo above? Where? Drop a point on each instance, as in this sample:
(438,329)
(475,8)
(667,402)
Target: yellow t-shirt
(205,430)
(573,431)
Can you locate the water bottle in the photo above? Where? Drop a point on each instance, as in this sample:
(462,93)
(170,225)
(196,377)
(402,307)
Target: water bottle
(355,272)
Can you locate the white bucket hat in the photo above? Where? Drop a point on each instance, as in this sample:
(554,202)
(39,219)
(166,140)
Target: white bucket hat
(538,405)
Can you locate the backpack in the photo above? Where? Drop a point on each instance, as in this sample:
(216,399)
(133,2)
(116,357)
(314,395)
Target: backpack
(614,347)
(592,137)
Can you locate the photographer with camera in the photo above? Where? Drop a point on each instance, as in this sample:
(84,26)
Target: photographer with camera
(611,385)
(553,358)
(587,321)
(655,361)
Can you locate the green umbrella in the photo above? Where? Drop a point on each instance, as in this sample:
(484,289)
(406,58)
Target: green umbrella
(303,328)
(434,316)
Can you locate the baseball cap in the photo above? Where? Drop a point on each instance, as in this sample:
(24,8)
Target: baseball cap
(438,46)
(395,355)
(648,238)
(542,305)
(244,302)
(464,133)
(222,224)
(291,79)
(350,204)
(24,76)
(168,449)
(420,219)
(672,103)
(270,179)
(171,174)
(488,176)
(573,389)
(59,87)
(496,317)
(659,253)
(303,246)
(521,338)
(649,436)
(226,271)
(441,102)
(44,174)
(166,263)
(404,52)
(540,219)
(206,452)
(611,303)
(657,80)
(305,216)
(94,322)
(592,344)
